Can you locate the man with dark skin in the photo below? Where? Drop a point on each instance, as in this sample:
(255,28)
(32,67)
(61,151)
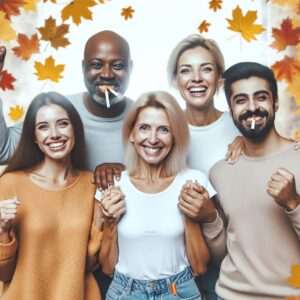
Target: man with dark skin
(106,64)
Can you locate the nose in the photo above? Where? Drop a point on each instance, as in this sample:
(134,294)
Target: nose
(54,133)
(197,76)
(152,138)
(107,71)
(252,105)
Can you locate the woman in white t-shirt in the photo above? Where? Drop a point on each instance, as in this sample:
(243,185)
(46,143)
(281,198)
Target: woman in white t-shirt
(152,248)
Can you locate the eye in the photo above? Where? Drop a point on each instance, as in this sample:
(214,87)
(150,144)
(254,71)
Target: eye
(262,97)
(63,123)
(184,71)
(164,129)
(241,100)
(94,64)
(118,66)
(207,69)
(42,127)
(144,127)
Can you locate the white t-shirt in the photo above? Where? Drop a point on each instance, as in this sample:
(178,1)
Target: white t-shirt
(151,232)
(209,143)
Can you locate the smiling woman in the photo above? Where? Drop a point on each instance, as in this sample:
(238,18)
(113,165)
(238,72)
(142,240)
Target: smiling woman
(46,197)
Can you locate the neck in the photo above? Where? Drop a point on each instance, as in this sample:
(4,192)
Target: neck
(272,144)
(202,116)
(102,111)
(149,173)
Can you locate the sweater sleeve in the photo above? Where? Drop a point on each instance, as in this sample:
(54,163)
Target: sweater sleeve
(294,217)
(9,137)
(8,258)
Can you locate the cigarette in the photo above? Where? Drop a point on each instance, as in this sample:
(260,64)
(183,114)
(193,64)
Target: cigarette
(113,92)
(253,122)
(106,96)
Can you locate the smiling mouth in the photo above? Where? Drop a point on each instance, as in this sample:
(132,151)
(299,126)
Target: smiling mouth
(197,90)
(56,145)
(152,150)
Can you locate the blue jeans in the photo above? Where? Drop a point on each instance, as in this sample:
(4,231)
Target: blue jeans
(127,288)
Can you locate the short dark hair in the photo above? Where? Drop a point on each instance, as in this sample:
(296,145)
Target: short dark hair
(244,70)
(28,154)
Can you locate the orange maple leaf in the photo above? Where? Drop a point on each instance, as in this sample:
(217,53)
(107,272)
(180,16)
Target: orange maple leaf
(245,24)
(127,12)
(54,34)
(293,298)
(78,9)
(27,46)
(215,4)
(48,70)
(286,35)
(16,112)
(6,81)
(203,27)
(294,280)
(11,7)
(286,68)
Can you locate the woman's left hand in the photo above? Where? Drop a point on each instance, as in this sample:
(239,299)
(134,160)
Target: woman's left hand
(112,204)
(195,203)
(235,149)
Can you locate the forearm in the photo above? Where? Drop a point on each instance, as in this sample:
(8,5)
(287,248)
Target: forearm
(109,253)
(294,217)
(195,246)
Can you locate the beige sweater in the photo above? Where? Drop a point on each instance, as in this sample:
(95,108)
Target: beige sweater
(262,239)
(54,245)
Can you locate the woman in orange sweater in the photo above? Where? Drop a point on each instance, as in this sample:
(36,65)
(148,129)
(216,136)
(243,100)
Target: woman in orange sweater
(50,226)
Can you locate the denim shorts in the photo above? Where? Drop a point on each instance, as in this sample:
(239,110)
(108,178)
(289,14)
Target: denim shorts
(179,286)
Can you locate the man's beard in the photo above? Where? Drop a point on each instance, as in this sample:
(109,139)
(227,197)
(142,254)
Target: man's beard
(259,132)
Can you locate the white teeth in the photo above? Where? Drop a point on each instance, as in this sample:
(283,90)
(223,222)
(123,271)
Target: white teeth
(151,150)
(198,89)
(56,145)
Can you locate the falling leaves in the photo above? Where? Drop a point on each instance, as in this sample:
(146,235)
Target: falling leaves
(78,9)
(7,33)
(203,27)
(293,298)
(215,4)
(27,46)
(30,5)
(127,12)
(54,34)
(49,70)
(245,24)
(286,68)
(6,81)
(11,7)
(16,113)
(286,35)
(294,280)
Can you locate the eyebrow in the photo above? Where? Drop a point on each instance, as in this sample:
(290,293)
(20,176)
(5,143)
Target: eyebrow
(255,94)
(201,65)
(45,122)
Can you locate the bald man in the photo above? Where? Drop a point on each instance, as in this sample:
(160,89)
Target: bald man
(106,63)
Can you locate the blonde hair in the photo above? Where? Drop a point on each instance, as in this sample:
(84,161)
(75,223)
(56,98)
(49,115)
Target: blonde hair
(192,41)
(176,159)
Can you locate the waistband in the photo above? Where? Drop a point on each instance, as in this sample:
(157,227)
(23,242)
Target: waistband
(149,286)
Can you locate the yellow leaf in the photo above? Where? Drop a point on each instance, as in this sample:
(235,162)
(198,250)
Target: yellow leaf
(215,4)
(245,24)
(78,9)
(7,33)
(48,70)
(293,4)
(203,27)
(16,113)
(30,5)
(294,280)
(127,12)
(297,135)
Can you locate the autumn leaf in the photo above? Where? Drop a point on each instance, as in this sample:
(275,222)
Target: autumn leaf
(48,70)
(286,68)
(293,4)
(27,46)
(6,81)
(11,7)
(245,24)
(297,138)
(7,33)
(53,1)
(16,113)
(54,34)
(127,12)
(215,4)
(286,35)
(203,27)
(78,9)
(30,5)
(294,280)
(293,298)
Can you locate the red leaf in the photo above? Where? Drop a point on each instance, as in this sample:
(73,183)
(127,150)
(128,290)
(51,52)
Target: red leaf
(286,68)
(11,7)
(6,81)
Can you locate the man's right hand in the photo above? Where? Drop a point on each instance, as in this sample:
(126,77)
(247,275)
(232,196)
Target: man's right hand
(2,57)
(104,174)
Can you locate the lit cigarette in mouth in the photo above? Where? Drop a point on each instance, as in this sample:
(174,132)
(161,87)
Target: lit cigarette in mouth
(113,92)
(106,96)
(253,119)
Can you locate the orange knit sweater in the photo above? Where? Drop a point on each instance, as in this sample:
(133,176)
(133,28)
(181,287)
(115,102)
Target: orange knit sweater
(54,245)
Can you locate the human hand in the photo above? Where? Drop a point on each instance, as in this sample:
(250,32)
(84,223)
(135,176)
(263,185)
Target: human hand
(235,150)
(8,211)
(282,188)
(112,204)
(104,174)
(195,203)
(2,57)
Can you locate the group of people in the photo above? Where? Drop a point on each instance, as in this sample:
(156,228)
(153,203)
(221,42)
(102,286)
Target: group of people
(147,193)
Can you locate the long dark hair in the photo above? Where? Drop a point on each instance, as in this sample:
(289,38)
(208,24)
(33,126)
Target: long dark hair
(28,154)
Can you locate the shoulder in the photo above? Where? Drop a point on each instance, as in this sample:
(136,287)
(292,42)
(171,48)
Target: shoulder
(12,177)
(219,166)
